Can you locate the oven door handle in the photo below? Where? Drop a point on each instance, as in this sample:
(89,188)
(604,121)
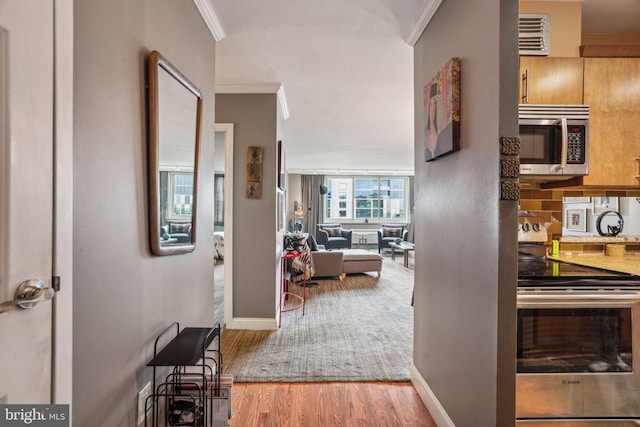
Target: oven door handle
(553,299)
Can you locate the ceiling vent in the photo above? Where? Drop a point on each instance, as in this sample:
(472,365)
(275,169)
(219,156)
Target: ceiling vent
(533,34)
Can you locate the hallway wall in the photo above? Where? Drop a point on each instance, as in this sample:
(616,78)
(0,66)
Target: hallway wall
(123,295)
(465,275)
(255,119)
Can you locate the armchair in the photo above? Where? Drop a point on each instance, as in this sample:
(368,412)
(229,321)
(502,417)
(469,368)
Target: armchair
(333,236)
(388,233)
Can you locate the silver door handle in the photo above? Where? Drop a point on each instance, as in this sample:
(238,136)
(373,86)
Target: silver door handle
(29,293)
(565,143)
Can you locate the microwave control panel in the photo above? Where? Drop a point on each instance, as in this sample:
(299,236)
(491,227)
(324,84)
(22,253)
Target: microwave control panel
(576,144)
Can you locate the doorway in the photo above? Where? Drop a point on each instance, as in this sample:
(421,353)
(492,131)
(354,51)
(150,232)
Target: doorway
(224,132)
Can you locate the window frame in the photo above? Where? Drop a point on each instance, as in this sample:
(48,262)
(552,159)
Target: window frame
(171,178)
(352,202)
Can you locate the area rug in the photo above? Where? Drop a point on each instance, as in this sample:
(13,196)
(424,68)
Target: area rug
(359,329)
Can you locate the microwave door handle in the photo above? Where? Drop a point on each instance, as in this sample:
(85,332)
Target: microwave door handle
(565,143)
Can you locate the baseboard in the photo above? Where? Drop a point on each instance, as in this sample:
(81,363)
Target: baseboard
(430,400)
(250,323)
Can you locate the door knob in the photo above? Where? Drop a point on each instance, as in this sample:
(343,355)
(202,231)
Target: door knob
(29,293)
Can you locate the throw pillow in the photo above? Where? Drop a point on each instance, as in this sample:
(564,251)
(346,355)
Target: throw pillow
(391,231)
(313,245)
(334,232)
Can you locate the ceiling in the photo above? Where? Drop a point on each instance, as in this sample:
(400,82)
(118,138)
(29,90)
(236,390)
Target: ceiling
(345,72)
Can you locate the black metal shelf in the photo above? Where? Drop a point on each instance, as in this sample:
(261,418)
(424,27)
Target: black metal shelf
(187,348)
(195,377)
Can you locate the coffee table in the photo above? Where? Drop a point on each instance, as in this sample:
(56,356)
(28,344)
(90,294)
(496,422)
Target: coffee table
(405,247)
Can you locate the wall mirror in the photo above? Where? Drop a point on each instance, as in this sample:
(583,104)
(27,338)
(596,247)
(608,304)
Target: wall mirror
(175,109)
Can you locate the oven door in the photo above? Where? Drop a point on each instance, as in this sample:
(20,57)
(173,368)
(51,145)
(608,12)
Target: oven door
(577,355)
(610,422)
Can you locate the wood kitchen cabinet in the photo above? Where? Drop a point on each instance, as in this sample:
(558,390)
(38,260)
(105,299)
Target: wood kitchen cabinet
(551,80)
(612,91)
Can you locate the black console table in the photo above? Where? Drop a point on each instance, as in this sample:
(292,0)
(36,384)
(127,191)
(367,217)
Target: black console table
(188,393)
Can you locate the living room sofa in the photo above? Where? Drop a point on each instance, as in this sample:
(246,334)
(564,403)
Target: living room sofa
(179,230)
(327,263)
(340,263)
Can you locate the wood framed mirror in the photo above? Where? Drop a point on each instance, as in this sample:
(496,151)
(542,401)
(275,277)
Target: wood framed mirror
(175,110)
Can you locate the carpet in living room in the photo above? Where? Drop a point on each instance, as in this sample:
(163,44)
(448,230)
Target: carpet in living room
(359,329)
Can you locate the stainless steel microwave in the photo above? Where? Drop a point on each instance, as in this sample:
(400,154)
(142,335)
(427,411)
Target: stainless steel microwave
(554,140)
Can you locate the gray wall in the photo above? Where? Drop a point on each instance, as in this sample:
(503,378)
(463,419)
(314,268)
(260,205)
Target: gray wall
(465,276)
(123,295)
(255,118)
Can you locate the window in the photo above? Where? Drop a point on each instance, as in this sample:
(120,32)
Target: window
(370,198)
(180,195)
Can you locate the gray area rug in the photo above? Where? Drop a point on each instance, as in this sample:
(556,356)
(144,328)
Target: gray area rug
(360,329)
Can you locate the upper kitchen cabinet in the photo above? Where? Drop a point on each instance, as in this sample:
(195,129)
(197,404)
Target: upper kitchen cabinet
(551,80)
(612,91)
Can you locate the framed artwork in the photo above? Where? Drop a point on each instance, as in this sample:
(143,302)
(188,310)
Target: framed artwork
(442,112)
(253,189)
(280,209)
(576,199)
(605,203)
(576,220)
(281,166)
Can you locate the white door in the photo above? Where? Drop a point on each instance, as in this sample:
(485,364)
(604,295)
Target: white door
(26,195)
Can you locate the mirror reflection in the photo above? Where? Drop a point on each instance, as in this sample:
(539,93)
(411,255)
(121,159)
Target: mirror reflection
(175,107)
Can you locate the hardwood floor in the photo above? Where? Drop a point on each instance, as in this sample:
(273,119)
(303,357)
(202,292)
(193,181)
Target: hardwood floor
(355,404)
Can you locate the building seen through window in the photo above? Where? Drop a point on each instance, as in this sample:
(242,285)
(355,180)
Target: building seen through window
(366,198)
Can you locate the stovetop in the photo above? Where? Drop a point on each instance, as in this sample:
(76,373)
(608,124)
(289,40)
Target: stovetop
(537,271)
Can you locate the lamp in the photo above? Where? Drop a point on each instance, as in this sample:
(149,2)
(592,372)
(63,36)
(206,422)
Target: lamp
(323,190)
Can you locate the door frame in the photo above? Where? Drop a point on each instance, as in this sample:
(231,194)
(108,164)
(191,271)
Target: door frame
(227,129)
(62,250)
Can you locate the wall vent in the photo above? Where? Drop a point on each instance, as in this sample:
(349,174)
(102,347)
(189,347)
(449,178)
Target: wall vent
(533,34)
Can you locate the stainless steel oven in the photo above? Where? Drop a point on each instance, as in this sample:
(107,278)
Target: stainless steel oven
(578,363)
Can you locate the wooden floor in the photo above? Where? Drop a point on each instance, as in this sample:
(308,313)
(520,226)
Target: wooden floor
(356,404)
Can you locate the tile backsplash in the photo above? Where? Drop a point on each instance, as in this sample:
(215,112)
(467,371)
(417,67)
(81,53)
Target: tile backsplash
(547,205)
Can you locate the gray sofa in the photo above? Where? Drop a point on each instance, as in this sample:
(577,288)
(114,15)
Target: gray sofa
(340,263)
(179,230)
(327,263)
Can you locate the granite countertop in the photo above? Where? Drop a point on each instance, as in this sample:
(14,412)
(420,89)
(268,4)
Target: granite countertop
(629,263)
(600,239)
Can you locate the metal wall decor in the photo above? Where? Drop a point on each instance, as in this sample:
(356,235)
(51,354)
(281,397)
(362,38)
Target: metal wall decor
(510,145)
(510,190)
(254,173)
(509,168)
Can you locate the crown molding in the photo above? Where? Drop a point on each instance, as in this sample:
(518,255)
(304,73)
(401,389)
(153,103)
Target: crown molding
(210,18)
(248,87)
(282,100)
(425,15)
(276,88)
